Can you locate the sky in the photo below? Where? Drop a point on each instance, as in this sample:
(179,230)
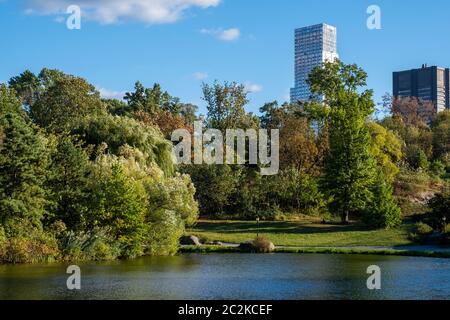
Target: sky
(182,43)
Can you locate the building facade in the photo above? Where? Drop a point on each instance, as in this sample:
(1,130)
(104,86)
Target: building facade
(313,46)
(430,84)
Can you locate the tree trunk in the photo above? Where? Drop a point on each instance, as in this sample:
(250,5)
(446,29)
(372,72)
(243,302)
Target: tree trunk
(345,217)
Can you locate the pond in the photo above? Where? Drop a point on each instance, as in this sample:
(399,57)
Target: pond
(234,276)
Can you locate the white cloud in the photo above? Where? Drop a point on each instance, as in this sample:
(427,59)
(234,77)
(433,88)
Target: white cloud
(113,11)
(200,75)
(253,87)
(232,34)
(109,94)
(60,19)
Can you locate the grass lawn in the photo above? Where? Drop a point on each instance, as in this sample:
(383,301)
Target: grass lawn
(300,233)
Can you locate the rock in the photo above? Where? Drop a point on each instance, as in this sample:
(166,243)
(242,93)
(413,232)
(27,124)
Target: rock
(247,246)
(190,241)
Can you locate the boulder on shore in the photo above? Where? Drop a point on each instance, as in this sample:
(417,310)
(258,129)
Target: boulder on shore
(190,241)
(247,246)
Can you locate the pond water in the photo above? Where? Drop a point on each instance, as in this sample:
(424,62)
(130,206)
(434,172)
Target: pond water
(234,276)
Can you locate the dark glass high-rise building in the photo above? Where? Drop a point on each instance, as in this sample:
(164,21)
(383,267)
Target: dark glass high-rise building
(427,83)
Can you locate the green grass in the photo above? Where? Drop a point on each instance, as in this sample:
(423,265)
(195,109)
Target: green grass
(300,233)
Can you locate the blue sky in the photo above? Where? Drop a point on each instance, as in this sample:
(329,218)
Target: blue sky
(185,42)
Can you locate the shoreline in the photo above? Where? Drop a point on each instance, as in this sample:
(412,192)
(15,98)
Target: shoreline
(404,252)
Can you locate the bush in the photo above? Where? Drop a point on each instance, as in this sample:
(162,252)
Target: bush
(163,233)
(298,192)
(383,211)
(420,232)
(438,169)
(423,229)
(95,245)
(263,245)
(439,206)
(28,250)
(259,245)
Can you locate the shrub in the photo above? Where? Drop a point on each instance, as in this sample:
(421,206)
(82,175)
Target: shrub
(28,250)
(263,245)
(423,229)
(420,232)
(299,192)
(95,245)
(439,206)
(383,211)
(438,169)
(164,230)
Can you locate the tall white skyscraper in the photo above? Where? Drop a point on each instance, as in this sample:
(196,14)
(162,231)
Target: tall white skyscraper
(313,46)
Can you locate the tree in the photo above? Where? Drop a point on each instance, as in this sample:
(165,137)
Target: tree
(166,122)
(215,184)
(298,192)
(226,106)
(119,203)
(67,180)
(151,100)
(115,132)
(386,147)
(441,134)
(65,103)
(24,159)
(30,87)
(27,86)
(383,211)
(188,111)
(439,209)
(116,107)
(9,102)
(271,115)
(412,111)
(350,168)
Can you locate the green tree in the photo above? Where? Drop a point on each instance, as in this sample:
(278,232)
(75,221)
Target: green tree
(27,86)
(383,211)
(226,106)
(119,203)
(386,147)
(439,209)
(350,168)
(116,107)
(441,134)
(215,184)
(116,132)
(151,100)
(417,158)
(67,180)
(9,102)
(24,159)
(65,103)
(298,192)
